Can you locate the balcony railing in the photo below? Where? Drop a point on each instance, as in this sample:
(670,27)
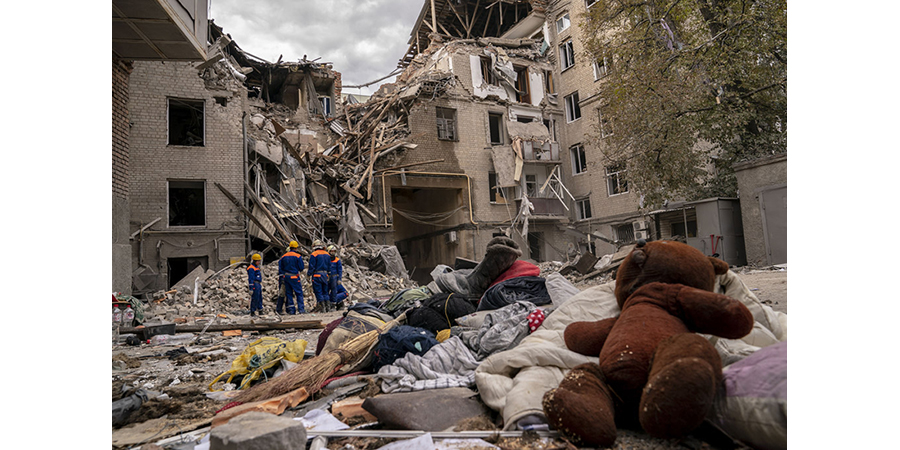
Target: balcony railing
(545,206)
(548,152)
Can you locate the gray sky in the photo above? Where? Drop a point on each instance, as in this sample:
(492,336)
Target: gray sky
(364,39)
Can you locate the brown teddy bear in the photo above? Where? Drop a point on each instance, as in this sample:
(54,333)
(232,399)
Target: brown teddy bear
(652,368)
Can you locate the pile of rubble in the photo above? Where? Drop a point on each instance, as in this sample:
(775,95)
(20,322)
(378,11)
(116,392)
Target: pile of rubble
(368,273)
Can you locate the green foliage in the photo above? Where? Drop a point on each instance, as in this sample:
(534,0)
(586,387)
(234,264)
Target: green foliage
(695,86)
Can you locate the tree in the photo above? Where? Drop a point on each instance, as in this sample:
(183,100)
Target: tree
(692,87)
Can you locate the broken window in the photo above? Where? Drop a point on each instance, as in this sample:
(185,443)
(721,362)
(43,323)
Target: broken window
(531,185)
(548,82)
(186,125)
(583,209)
(624,232)
(606,128)
(573,110)
(534,245)
(567,54)
(496,193)
(486,73)
(496,124)
(601,68)
(615,179)
(446,124)
(523,94)
(588,3)
(187,203)
(562,23)
(326,104)
(579,160)
(551,128)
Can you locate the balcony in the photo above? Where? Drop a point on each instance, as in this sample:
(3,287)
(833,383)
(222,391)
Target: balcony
(545,207)
(546,153)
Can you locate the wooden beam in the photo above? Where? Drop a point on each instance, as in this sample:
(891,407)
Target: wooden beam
(266,211)
(250,215)
(299,324)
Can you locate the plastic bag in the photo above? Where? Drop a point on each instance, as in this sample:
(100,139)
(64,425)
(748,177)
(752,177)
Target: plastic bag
(260,355)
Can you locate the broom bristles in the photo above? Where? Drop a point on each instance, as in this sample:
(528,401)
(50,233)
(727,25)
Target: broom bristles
(312,372)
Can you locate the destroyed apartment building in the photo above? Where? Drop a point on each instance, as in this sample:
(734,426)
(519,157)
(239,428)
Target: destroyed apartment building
(481,135)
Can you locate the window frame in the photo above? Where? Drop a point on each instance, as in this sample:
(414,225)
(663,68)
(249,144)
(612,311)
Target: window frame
(500,133)
(601,71)
(327,105)
(186,103)
(606,128)
(566,54)
(573,100)
(583,209)
(579,159)
(523,84)
(449,124)
(487,75)
(568,23)
(169,188)
(589,3)
(617,172)
(494,192)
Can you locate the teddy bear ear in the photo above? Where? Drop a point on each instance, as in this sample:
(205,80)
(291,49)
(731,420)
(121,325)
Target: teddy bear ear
(719,266)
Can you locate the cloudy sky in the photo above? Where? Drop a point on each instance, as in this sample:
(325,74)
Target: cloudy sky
(364,39)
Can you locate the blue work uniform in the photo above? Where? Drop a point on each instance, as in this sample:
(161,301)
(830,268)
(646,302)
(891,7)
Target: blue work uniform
(319,269)
(289,267)
(334,280)
(254,276)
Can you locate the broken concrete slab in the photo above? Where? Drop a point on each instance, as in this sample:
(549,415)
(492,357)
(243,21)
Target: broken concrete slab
(585,263)
(190,278)
(415,410)
(259,431)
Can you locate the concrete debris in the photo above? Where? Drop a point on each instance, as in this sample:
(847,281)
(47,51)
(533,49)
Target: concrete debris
(259,431)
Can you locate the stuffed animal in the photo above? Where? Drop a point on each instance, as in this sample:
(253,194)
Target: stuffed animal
(652,369)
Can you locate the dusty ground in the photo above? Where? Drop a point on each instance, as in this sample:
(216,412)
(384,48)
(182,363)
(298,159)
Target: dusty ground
(185,378)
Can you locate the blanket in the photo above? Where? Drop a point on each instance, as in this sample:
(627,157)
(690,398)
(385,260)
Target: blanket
(448,364)
(514,381)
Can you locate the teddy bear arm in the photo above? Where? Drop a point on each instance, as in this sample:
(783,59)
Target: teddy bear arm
(587,338)
(715,314)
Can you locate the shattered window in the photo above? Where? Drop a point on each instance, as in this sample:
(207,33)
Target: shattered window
(579,160)
(446,124)
(523,92)
(486,73)
(615,179)
(567,55)
(583,209)
(573,110)
(606,128)
(531,185)
(601,68)
(187,203)
(186,125)
(548,81)
(496,124)
(326,105)
(496,194)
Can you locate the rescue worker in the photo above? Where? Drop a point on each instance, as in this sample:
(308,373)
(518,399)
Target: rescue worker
(334,279)
(289,267)
(319,268)
(254,276)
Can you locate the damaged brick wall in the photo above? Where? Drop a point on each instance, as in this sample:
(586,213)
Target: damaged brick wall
(120,126)
(155,164)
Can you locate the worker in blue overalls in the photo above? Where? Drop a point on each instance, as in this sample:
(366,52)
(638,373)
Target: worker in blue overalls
(336,295)
(254,276)
(319,270)
(289,267)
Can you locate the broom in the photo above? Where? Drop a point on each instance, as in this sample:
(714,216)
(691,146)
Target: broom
(312,373)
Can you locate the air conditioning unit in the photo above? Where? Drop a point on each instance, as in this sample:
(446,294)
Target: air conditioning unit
(451,237)
(641,225)
(642,234)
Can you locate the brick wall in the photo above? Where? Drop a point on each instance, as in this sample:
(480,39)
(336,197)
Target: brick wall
(154,162)
(120,125)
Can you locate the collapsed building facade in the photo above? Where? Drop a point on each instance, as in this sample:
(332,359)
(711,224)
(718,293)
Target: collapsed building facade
(482,134)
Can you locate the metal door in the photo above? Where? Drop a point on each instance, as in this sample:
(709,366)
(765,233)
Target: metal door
(773,205)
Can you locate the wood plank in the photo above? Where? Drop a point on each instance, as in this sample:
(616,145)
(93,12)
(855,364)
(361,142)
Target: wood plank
(250,215)
(300,325)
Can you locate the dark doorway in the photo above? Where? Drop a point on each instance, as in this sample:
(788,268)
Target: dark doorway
(535,241)
(179,268)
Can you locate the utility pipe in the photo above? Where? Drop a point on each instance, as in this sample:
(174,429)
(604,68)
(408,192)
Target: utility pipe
(442,174)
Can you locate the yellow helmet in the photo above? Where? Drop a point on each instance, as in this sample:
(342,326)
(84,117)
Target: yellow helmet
(293,244)
(318,243)
(256,257)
